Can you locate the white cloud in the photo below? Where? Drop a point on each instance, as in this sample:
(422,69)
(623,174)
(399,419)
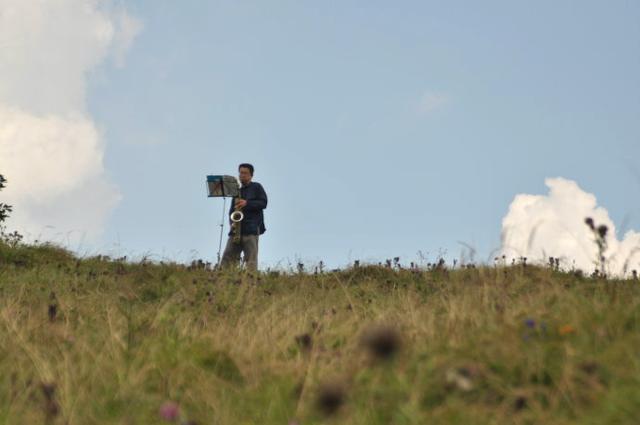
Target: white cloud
(127,28)
(542,226)
(50,149)
(430,102)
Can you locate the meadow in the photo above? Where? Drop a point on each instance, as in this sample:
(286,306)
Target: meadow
(110,341)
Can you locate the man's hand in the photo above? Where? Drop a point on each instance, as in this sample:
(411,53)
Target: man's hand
(241,203)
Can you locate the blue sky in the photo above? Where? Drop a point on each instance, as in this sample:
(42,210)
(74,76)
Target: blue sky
(378,129)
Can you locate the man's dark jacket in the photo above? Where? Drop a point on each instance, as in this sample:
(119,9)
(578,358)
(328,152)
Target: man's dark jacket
(253,222)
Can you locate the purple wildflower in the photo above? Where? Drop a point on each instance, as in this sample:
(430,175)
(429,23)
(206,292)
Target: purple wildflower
(169,411)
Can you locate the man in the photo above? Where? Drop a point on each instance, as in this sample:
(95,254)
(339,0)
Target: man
(253,200)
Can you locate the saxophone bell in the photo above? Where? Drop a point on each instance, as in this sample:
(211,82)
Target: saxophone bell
(236,216)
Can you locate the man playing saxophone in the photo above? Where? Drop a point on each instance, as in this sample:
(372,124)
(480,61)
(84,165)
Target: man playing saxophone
(251,203)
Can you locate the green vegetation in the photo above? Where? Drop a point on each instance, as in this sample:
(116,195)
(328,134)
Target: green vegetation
(101,341)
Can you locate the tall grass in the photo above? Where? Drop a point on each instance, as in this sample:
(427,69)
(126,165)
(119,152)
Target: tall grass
(99,341)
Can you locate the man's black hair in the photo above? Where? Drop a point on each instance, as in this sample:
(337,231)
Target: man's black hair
(245,165)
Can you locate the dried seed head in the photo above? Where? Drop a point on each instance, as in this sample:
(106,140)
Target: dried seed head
(464,378)
(330,398)
(589,222)
(602,231)
(459,379)
(48,389)
(51,407)
(52,312)
(589,367)
(382,342)
(520,403)
(304,341)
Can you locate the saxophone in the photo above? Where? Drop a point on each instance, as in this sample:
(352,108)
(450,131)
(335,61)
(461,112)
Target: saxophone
(236,223)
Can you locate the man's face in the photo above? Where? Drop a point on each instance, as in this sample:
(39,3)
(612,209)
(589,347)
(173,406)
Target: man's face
(245,175)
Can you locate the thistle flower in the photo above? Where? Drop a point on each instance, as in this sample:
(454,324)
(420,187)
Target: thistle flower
(169,411)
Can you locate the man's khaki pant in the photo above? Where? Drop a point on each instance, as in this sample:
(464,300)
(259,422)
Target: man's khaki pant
(249,245)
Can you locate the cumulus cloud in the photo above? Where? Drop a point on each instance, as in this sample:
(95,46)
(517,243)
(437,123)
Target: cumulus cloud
(542,226)
(50,149)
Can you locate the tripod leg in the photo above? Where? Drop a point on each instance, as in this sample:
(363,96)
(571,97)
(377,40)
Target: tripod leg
(224,209)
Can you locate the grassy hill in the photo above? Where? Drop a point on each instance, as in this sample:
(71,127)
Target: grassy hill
(101,341)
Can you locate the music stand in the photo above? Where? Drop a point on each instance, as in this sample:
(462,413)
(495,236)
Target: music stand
(222,186)
(219,186)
